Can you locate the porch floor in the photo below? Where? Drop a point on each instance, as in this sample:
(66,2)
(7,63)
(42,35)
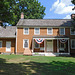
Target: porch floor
(50,54)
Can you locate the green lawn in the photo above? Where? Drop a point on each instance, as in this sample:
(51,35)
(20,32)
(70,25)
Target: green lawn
(36,65)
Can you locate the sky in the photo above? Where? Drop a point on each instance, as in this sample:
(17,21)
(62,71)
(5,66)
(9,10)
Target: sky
(57,9)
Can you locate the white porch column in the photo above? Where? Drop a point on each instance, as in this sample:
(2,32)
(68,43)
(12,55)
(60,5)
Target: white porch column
(68,46)
(57,46)
(32,45)
(45,45)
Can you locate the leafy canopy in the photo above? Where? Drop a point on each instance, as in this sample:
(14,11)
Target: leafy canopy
(10,10)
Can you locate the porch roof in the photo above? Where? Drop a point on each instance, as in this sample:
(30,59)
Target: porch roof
(52,37)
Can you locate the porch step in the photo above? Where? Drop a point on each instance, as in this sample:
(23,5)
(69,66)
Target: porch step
(64,54)
(6,53)
(37,54)
(27,52)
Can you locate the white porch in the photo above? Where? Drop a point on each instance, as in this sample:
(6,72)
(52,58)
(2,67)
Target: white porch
(55,46)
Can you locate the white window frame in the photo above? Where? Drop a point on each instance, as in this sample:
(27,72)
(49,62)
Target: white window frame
(70,32)
(71,43)
(50,33)
(60,31)
(24,31)
(1,44)
(38,33)
(23,43)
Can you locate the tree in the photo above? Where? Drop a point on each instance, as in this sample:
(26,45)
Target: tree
(73,21)
(12,9)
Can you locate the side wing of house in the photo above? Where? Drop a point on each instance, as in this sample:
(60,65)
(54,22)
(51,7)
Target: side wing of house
(7,39)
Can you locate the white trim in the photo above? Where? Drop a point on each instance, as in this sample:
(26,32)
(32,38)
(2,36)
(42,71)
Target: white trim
(16,39)
(43,26)
(6,46)
(23,43)
(60,31)
(34,31)
(24,30)
(1,44)
(71,43)
(51,31)
(52,38)
(68,46)
(70,32)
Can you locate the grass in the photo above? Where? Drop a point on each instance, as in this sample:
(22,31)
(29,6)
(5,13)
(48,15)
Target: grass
(36,65)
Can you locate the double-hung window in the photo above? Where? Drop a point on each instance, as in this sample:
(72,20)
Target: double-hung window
(73,43)
(0,44)
(62,31)
(26,31)
(36,31)
(25,43)
(49,31)
(72,32)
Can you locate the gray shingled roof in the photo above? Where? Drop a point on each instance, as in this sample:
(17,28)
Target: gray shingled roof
(44,22)
(8,32)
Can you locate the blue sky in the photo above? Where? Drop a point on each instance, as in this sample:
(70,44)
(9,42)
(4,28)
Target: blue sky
(57,9)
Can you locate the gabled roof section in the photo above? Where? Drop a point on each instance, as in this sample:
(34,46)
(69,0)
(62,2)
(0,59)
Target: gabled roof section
(8,32)
(44,22)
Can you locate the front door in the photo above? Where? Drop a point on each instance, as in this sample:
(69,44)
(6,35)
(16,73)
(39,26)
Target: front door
(49,46)
(8,46)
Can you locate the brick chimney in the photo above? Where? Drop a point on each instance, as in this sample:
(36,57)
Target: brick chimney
(72,16)
(22,15)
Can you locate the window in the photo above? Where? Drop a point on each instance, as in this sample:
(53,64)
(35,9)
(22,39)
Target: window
(73,43)
(25,43)
(36,45)
(0,44)
(62,46)
(62,31)
(37,31)
(26,31)
(72,32)
(50,31)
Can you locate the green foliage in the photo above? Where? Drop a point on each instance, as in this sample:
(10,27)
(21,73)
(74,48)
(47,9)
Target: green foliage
(73,1)
(10,10)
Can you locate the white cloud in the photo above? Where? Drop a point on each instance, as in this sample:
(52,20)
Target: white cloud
(62,7)
(67,17)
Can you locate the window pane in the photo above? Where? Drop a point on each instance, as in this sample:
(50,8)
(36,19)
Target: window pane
(36,30)
(62,45)
(62,31)
(25,43)
(73,43)
(0,44)
(49,30)
(26,30)
(72,32)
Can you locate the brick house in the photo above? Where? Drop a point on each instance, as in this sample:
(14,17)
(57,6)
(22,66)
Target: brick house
(49,37)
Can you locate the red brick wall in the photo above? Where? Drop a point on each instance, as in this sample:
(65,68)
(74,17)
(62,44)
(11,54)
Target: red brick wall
(43,32)
(13,43)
